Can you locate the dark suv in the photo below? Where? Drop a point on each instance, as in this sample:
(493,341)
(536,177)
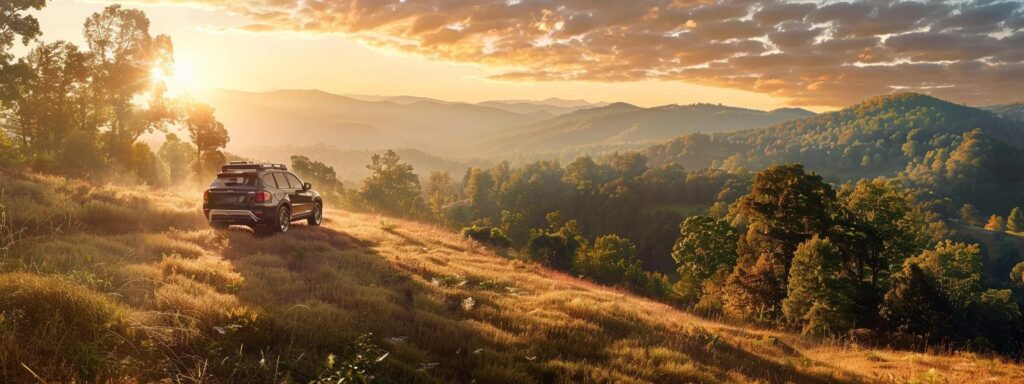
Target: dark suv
(265,197)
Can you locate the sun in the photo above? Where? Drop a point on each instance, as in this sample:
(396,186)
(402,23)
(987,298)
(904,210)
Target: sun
(179,80)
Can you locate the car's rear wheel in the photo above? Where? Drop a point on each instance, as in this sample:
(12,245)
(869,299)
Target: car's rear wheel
(317,216)
(284,219)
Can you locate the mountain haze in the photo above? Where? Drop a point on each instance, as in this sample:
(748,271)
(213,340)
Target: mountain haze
(622,123)
(308,117)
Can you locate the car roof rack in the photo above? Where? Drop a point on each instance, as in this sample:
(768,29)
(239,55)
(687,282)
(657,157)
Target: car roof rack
(248,165)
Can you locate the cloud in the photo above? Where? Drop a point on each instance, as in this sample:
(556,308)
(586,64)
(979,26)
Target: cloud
(808,53)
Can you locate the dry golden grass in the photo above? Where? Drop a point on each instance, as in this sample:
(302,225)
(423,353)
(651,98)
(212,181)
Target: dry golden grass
(181,302)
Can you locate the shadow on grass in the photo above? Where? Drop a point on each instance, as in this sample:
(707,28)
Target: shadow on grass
(319,289)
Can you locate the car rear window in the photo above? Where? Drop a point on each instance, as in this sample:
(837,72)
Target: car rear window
(228,181)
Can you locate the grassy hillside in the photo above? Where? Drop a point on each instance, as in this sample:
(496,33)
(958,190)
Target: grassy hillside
(105,283)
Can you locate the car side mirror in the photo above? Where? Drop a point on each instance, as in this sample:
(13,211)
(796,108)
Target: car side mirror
(307,186)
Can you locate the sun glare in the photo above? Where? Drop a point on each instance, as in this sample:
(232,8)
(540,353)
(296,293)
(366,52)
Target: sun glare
(179,81)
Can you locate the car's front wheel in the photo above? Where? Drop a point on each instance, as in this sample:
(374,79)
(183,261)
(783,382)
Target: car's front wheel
(317,216)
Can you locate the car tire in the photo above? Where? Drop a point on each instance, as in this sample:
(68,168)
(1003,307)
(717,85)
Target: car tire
(284,219)
(316,216)
(219,225)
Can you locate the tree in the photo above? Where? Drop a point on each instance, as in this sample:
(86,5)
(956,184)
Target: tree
(440,192)
(319,174)
(956,268)
(392,186)
(706,247)
(50,97)
(207,134)
(1015,222)
(480,193)
(556,247)
(916,305)
(970,215)
(146,166)
(124,57)
(995,223)
(513,224)
(16,23)
(888,225)
(784,208)
(818,296)
(609,261)
(178,156)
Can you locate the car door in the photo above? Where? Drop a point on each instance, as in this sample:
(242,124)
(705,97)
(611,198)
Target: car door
(302,200)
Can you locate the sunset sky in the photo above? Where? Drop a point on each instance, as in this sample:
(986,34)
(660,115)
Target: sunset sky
(647,52)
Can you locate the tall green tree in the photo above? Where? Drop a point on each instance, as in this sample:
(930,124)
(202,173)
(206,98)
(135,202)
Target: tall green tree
(970,215)
(480,191)
(179,157)
(16,22)
(51,110)
(785,207)
(916,305)
(706,247)
(393,187)
(609,261)
(319,174)
(819,297)
(513,224)
(1015,221)
(440,191)
(124,58)
(956,268)
(558,245)
(208,136)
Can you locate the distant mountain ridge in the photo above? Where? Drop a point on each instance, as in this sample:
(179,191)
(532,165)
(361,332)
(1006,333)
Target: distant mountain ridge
(626,123)
(499,128)
(1011,111)
(303,117)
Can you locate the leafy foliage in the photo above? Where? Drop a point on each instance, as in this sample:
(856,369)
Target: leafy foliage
(706,247)
(818,297)
(487,235)
(393,187)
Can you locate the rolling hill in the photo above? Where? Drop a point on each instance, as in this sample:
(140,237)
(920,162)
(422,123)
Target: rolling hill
(622,124)
(106,283)
(962,153)
(1010,111)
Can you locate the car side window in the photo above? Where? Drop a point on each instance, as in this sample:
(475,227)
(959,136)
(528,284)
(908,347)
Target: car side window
(269,180)
(294,181)
(282,183)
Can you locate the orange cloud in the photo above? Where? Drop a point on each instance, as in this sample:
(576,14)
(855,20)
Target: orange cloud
(813,53)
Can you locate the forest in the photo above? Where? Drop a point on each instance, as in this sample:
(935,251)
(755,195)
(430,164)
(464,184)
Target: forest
(860,224)
(82,111)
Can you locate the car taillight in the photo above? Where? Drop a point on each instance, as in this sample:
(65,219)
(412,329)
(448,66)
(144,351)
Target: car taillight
(262,197)
(206,195)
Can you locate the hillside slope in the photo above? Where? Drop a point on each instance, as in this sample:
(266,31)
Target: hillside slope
(128,284)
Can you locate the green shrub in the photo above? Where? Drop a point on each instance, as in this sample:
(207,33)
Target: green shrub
(487,235)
